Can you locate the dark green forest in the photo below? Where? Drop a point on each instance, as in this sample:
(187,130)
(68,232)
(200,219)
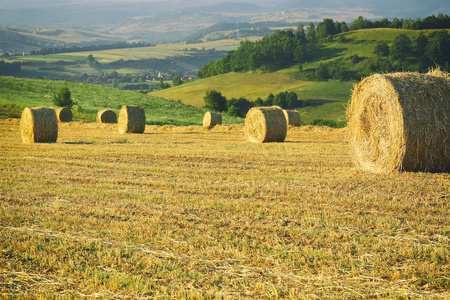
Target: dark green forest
(285,48)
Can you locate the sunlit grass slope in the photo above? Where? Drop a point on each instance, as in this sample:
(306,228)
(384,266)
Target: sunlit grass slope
(233,85)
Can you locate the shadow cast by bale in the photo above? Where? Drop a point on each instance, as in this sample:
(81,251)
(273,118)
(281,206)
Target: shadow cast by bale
(79,143)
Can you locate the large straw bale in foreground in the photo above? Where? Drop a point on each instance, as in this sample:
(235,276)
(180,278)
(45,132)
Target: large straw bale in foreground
(106,116)
(63,114)
(400,121)
(131,119)
(265,124)
(39,125)
(211,119)
(292,117)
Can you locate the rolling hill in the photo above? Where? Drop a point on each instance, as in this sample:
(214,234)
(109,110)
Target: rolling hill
(324,99)
(233,85)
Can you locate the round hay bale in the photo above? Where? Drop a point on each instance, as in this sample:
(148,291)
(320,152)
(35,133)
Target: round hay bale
(211,119)
(265,124)
(292,117)
(39,125)
(106,116)
(400,122)
(131,119)
(63,114)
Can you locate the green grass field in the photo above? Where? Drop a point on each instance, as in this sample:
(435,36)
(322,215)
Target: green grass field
(15,94)
(325,100)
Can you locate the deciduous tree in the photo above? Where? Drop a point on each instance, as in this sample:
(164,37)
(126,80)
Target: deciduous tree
(311,33)
(381,49)
(401,48)
(177,81)
(63,98)
(215,101)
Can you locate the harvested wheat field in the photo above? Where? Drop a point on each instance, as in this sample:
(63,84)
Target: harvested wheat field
(164,215)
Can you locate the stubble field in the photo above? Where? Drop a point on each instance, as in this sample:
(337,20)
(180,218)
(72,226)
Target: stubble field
(191,213)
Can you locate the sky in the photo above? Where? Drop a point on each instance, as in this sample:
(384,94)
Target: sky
(25,3)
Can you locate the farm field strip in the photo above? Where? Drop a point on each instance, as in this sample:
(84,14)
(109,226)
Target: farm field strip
(187,212)
(66,38)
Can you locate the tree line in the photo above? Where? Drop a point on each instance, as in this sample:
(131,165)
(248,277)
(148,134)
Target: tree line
(269,54)
(440,21)
(118,45)
(215,101)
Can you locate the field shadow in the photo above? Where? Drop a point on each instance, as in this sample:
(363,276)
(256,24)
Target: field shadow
(327,53)
(79,143)
(192,132)
(315,142)
(152,133)
(317,102)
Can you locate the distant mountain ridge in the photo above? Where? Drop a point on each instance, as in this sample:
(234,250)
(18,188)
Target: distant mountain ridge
(444,10)
(167,21)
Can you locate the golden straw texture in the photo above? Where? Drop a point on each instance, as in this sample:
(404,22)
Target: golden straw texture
(211,119)
(63,114)
(265,124)
(106,116)
(292,117)
(131,119)
(39,125)
(400,121)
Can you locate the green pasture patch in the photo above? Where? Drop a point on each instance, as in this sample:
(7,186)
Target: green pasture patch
(324,100)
